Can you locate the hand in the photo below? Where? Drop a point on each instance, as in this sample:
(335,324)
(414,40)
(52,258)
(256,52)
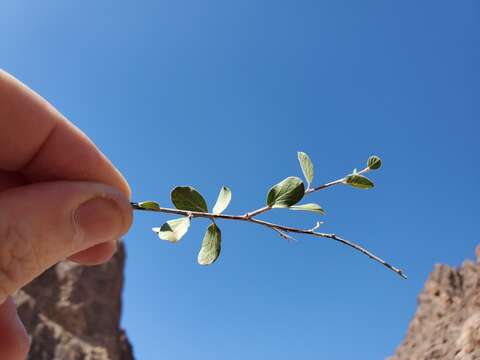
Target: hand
(60,197)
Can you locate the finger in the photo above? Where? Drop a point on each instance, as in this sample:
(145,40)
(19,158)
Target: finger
(56,150)
(96,255)
(42,224)
(39,142)
(14,340)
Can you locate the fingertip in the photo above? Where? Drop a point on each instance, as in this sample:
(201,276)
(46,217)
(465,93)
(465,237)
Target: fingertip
(95,255)
(103,218)
(14,339)
(116,179)
(124,185)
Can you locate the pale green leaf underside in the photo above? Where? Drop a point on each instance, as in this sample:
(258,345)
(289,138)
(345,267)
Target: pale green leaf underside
(307,166)
(286,193)
(187,198)
(359,181)
(223,200)
(309,207)
(211,245)
(173,230)
(151,205)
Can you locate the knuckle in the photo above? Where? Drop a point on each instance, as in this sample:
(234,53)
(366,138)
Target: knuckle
(18,258)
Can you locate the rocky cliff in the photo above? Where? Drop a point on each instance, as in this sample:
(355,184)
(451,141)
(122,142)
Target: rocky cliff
(73,312)
(447,322)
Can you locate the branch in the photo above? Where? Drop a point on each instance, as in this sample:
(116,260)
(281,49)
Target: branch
(285,194)
(282,229)
(309,191)
(336,182)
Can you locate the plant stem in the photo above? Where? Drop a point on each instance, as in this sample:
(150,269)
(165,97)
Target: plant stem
(249,217)
(336,182)
(311,190)
(258,211)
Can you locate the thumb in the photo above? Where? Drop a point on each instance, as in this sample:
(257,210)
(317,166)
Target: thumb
(44,223)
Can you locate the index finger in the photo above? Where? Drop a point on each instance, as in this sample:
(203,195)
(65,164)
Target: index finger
(38,142)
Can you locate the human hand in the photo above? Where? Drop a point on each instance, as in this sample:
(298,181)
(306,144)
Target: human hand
(60,197)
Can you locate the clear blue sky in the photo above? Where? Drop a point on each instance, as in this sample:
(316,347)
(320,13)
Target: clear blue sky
(210,93)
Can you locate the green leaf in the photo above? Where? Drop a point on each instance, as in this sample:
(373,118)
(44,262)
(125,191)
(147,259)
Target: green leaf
(309,207)
(187,198)
(150,205)
(223,200)
(307,167)
(374,162)
(173,230)
(286,193)
(211,246)
(359,181)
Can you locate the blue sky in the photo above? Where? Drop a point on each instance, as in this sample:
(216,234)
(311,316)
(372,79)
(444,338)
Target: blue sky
(211,93)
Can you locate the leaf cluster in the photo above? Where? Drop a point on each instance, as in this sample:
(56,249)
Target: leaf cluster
(285,194)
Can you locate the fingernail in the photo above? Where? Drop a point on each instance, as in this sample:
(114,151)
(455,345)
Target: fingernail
(100,220)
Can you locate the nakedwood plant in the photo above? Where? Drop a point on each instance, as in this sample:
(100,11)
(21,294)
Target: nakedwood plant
(190,204)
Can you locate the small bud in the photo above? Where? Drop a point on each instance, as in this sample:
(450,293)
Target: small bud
(374,162)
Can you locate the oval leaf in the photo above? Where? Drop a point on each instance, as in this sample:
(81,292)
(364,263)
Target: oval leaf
(211,246)
(309,207)
(150,205)
(359,181)
(374,162)
(223,200)
(286,193)
(173,230)
(307,166)
(187,198)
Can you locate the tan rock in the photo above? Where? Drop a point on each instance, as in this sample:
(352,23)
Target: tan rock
(447,322)
(73,312)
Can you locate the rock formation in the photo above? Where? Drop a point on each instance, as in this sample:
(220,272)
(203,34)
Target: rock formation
(72,312)
(447,322)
